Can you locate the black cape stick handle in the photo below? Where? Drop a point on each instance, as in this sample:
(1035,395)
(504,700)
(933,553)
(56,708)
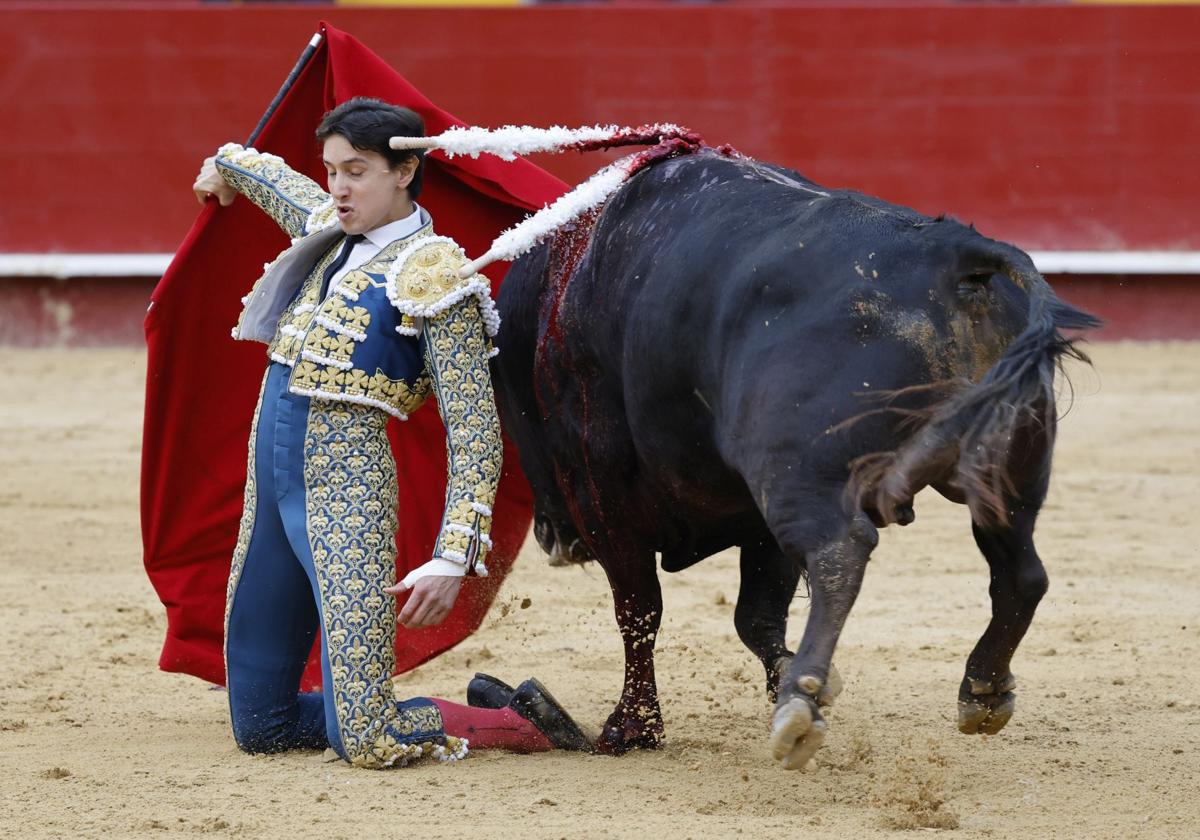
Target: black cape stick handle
(287,85)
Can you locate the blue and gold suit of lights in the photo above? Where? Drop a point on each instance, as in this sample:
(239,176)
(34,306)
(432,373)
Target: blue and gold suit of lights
(316,546)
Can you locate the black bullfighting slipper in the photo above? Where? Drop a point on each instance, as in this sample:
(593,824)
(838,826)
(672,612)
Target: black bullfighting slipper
(487,692)
(533,702)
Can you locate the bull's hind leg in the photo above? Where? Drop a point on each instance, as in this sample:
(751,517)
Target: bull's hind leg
(636,722)
(836,551)
(1018,582)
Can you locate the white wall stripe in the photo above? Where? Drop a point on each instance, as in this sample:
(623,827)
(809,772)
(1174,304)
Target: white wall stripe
(84,265)
(153,265)
(1117,262)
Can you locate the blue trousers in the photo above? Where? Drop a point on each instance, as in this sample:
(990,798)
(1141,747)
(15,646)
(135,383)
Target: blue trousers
(315,550)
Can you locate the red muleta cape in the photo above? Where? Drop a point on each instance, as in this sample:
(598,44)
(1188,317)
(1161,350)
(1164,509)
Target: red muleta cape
(201,385)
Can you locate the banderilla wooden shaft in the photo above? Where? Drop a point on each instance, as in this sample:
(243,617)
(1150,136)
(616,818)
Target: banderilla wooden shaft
(478,265)
(401,142)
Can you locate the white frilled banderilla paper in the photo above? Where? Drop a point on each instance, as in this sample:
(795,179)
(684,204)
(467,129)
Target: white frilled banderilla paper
(509,141)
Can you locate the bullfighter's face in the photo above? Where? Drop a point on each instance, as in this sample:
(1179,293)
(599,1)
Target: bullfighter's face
(367,191)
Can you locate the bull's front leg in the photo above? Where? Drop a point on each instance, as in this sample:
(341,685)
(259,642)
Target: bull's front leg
(768,585)
(835,572)
(636,722)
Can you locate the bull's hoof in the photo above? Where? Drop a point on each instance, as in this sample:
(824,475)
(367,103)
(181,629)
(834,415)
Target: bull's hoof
(984,707)
(778,672)
(623,733)
(797,731)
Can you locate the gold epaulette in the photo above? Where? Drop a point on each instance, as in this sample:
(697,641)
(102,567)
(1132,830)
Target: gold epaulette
(423,282)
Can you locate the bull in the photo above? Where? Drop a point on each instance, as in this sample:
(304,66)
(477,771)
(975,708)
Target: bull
(728,354)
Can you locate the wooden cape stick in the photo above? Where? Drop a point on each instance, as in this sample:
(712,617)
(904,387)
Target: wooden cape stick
(307,54)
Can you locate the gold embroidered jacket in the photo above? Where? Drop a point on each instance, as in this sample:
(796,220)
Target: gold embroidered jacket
(387,334)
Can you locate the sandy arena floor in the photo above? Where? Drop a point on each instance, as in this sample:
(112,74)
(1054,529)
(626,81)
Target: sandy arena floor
(95,741)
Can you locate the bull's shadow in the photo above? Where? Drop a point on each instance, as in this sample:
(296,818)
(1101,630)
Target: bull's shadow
(727,354)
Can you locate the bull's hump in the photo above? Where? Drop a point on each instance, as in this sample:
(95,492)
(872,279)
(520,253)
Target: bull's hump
(709,168)
(778,175)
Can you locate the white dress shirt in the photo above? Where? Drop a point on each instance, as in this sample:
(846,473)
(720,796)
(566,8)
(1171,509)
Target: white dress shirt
(378,239)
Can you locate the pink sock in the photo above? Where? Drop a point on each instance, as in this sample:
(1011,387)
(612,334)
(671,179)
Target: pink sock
(491,729)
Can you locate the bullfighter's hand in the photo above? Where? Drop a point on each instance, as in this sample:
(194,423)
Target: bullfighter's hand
(430,600)
(209,183)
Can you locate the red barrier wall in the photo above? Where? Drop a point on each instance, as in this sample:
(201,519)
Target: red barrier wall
(80,312)
(1052,127)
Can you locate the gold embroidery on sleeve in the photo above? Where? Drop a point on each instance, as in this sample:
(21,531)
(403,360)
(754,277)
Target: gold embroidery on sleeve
(283,193)
(457,351)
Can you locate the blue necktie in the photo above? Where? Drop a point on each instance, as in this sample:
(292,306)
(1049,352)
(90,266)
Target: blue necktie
(347,247)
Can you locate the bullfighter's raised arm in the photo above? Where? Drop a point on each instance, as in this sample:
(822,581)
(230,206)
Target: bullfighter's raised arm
(455,319)
(295,201)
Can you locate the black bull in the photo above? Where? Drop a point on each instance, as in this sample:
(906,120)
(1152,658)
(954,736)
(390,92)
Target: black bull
(735,356)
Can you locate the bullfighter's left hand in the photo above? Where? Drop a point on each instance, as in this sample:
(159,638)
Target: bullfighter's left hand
(210,183)
(429,600)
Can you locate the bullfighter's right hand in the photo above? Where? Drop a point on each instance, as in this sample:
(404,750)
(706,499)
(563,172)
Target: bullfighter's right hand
(430,601)
(209,183)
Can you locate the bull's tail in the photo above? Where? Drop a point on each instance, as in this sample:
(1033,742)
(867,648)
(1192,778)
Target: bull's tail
(967,437)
